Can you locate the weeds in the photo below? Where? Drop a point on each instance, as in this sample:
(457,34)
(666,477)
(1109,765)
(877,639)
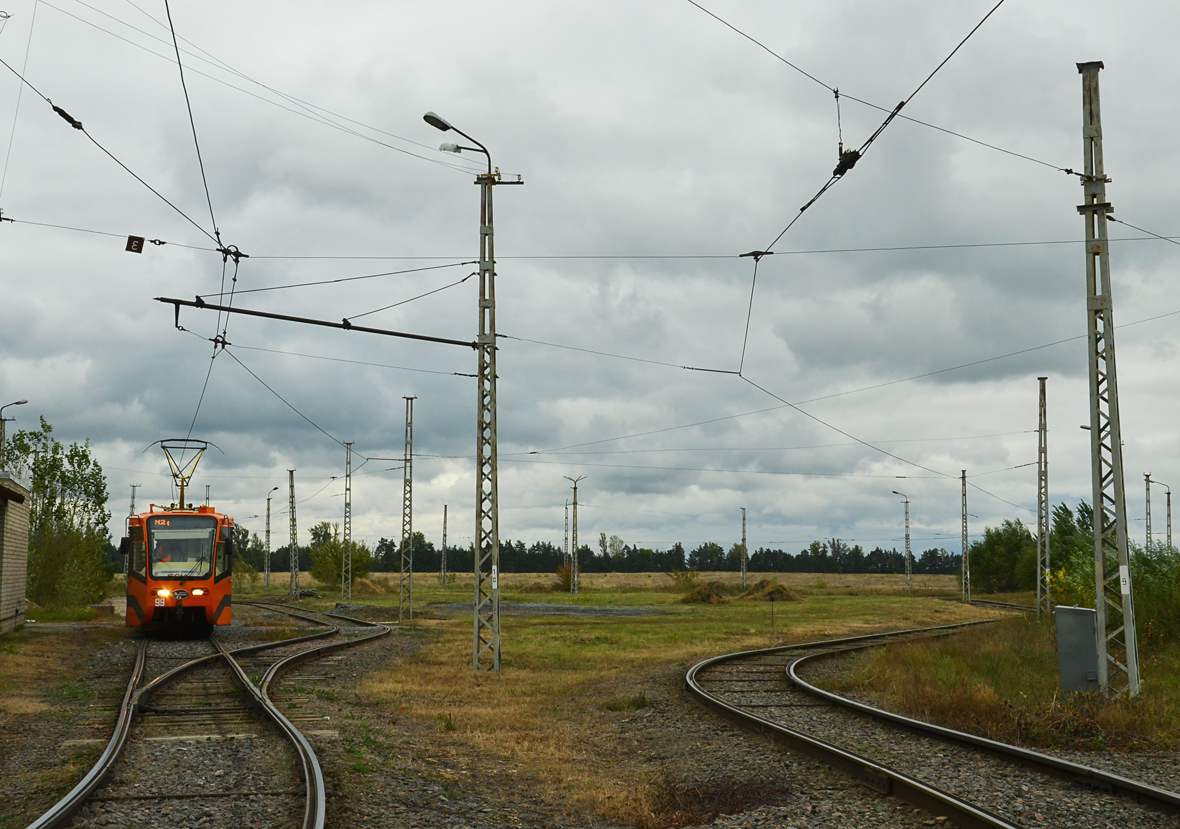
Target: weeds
(1001,682)
(641,700)
(683,804)
(447,722)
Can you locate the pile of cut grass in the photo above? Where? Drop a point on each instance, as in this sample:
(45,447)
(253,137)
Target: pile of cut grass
(769,590)
(711,593)
(1001,681)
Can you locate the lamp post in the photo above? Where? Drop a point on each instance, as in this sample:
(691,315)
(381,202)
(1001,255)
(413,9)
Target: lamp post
(268,495)
(4,420)
(909,566)
(1168,495)
(486,634)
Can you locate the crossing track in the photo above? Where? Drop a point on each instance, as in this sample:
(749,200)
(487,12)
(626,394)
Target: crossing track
(139,699)
(972,781)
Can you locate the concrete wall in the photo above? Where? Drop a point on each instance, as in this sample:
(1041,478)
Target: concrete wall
(14,550)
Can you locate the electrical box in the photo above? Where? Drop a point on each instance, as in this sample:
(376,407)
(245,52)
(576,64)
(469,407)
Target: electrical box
(1077,648)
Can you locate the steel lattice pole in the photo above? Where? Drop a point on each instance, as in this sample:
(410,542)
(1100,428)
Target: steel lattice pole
(966,562)
(909,558)
(567,532)
(267,581)
(1044,602)
(293,550)
(1147,517)
(346,551)
(743,548)
(442,558)
(405,599)
(574,539)
(1118,650)
(486,639)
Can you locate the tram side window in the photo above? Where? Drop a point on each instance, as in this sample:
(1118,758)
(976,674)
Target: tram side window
(222,565)
(138,564)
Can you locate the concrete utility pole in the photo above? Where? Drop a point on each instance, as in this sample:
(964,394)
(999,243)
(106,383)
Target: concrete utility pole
(346,552)
(405,596)
(442,557)
(966,562)
(1147,486)
(909,559)
(486,639)
(293,550)
(268,495)
(1044,603)
(1118,650)
(574,538)
(567,532)
(743,548)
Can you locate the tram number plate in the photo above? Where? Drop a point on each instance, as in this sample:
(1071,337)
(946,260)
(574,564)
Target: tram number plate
(160,601)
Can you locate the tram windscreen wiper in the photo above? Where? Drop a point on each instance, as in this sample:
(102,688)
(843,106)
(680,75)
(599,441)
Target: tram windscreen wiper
(197,570)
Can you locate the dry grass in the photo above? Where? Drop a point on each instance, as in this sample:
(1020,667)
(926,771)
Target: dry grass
(33,662)
(544,717)
(1001,682)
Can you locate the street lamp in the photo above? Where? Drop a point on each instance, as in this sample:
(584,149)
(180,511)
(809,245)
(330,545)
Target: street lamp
(486,639)
(909,567)
(268,497)
(4,420)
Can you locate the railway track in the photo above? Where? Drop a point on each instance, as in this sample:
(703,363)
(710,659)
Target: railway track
(203,742)
(972,781)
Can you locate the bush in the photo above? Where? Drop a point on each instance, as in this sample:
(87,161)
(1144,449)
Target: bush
(327,558)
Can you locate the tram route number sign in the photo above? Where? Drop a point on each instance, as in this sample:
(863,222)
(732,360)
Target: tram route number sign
(159,601)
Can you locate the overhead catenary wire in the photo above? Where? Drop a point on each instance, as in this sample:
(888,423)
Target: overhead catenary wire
(341,279)
(306,113)
(19,90)
(76,124)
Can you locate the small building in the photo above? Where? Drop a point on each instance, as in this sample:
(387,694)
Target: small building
(14,550)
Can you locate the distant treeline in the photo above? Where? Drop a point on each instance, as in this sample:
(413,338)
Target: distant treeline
(614,556)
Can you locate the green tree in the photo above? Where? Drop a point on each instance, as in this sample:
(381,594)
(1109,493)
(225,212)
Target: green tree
(68,536)
(327,555)
(1005,560)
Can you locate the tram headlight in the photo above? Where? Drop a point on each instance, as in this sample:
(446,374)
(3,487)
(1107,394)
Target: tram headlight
(164,592)
(197,591)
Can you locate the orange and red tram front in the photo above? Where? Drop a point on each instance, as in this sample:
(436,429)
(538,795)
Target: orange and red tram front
(180,568)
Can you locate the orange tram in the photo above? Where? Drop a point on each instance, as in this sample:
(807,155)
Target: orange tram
(180,570)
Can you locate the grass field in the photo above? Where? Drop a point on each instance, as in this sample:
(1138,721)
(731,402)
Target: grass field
(593,667)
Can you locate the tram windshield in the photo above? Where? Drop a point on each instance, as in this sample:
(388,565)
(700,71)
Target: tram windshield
(181,546)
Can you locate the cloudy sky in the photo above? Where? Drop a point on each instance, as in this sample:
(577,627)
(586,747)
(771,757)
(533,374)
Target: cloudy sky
(908,312)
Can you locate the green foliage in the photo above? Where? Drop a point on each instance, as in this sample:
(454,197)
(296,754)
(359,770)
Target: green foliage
(1155,574)
(327,555)
(67,518)
(1000,563)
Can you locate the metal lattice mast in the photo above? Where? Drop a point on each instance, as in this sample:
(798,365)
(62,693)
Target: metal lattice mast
(966,562)
(442,558)
(293,550)
(405,598)
(574,539)
(1044,602)
(743,548)
(272,492)
(346,551)
(909,564)
(127,559)
(567,532)
(485,653)
(1147,486)
(1118,651)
